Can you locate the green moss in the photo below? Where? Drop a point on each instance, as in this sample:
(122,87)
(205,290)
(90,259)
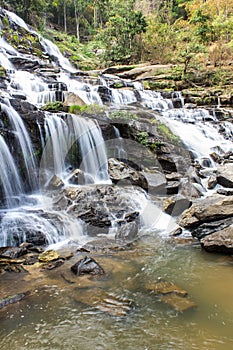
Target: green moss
(167,133)
(53,107)
(123,115)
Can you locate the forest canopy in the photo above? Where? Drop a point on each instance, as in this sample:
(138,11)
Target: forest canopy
(132,31)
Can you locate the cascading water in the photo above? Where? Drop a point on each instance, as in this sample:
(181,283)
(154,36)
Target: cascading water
(9,175)
(62,134)
(24,142)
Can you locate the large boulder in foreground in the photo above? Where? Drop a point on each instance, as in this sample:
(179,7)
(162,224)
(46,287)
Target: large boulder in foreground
(219,242)
(209,209)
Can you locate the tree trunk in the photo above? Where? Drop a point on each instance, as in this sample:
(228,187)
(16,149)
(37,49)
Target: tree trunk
(76,20)
(64,14)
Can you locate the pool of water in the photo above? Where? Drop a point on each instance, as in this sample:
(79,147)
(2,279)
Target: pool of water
(53,318)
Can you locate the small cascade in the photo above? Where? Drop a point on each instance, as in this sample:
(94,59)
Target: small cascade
(46,226)
(24,143)
(154,100)
(9,176)
(123,97)
(5,49)
(196,130)
(54,52)
(76,138)
(31,86)
(88,93)
(119,145)
(18,20)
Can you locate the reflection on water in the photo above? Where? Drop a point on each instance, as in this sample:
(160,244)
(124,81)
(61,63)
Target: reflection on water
(51,318)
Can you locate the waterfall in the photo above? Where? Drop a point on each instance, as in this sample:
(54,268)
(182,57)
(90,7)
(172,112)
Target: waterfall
(9,175)
(64,135)
(56,55)
(24,143)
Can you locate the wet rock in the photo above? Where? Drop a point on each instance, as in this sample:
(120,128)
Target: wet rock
(105,93)
(167,163)
(189,190)
(53,264)
(219,242)
(106,245)
(87,265)
(48,256)
(103,301)
(127,231)
(175,205)
(225,192)
(212,182)
(12,252)
(99,206)
(77,177)
(173,176)
(119,172)
(26,63)
(225,175)
(36,237)
(209,209)
(55,183)
(172,187)
(156,182)
(209,228)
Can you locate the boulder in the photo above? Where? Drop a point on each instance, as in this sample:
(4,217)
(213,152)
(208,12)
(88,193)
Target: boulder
(120,172)
(175,205)
(225,175)
(156,182)
(219,242)
(209,209)
(72,99)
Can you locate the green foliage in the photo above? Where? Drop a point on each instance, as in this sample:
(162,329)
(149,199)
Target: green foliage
(142,138)
(53,107)
(76,109)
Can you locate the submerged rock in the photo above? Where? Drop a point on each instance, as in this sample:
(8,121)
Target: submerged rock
(164,287)
(12,299)
(172,295)
(103,301)
(177,302)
